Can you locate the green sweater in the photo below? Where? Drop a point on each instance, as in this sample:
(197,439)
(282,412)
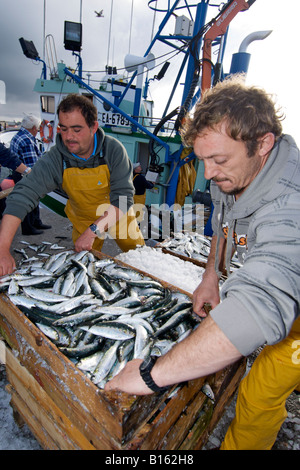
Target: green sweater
(47,174)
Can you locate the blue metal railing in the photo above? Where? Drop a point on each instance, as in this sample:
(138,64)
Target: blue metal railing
(120,111)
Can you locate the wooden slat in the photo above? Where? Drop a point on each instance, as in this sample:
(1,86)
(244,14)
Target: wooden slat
(20,408)
(199,428)
(48,415)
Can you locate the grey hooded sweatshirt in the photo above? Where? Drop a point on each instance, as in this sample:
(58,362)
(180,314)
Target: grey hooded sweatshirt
(47,174)
(260,301)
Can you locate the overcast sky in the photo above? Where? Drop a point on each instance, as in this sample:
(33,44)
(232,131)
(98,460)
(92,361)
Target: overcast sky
(273,65)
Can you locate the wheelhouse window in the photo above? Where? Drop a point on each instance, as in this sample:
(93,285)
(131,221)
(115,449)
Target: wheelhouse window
(48,104)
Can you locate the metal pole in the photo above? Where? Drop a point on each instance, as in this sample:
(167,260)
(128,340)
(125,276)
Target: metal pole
(109,34)
(44,30)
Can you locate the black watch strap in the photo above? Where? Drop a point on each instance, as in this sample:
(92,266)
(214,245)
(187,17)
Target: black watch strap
(95,230)
(145,371)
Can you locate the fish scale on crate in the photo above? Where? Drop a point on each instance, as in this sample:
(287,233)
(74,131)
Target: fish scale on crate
(98,313)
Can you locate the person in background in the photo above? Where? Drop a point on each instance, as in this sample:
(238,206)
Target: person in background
(140,184)
(255,186)
(9,160)
(94,171)
(25,146)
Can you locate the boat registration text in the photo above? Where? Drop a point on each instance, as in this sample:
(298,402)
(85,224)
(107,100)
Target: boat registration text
(112,119)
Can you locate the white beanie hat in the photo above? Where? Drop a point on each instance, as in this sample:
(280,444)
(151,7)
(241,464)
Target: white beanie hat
(135,165)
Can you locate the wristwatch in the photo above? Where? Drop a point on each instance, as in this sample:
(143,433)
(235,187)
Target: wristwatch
(95,230)
(145,371)
(25,172)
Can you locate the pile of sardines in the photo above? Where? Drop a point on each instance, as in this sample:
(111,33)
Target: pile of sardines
(189,244)
(99,313)
(193,245)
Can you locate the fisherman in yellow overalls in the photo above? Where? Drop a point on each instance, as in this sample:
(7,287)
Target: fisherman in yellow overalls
(140,184)
(95,172)
(100,197)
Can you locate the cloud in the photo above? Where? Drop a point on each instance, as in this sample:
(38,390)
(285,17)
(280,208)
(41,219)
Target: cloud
(25,18)
(271,64)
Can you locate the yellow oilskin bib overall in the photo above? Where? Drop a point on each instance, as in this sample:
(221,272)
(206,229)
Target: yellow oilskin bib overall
(88,191)
(260,408)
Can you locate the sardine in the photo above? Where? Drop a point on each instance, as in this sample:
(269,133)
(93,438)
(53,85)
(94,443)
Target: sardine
(36,281)
(43,295)
(58,335)
(98,289)
(80,351)
(105,364)
(22,252)
(141,340)
(69,280)
(90,362)
(112,330)
(207,390)
(69,304)
(78,318)
(125,349)
(172,322)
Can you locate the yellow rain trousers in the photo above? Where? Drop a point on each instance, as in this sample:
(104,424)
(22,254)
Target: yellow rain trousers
(260,408)
(88,190)
(186,179)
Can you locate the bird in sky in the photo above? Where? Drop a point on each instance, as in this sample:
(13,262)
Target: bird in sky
(99,14)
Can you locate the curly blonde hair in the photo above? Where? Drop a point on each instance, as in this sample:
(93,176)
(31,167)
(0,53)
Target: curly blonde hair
(248,111)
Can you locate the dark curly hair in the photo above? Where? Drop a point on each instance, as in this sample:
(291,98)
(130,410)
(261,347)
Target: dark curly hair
(248,111)
(84,104)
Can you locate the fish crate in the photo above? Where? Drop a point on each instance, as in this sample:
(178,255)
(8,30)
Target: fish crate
(190,259)
(163,246)
(65,410)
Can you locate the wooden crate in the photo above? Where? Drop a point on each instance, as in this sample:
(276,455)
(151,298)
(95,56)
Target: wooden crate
(201,264)
(65,410)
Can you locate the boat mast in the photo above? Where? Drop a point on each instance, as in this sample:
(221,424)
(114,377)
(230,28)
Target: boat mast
(109,34)
(44,30)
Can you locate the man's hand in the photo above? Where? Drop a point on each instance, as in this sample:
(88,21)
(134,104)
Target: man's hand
(7,263)
(85,241)
(129,380)
(9,226)
(206,293)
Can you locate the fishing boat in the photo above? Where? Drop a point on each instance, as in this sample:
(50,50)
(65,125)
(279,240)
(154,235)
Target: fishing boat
(121,96)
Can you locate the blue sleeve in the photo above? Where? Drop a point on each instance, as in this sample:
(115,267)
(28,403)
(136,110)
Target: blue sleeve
(8,158)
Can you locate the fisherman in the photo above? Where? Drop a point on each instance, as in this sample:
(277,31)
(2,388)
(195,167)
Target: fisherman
(95,172)
(254,171)
(24,145)
(140,184)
